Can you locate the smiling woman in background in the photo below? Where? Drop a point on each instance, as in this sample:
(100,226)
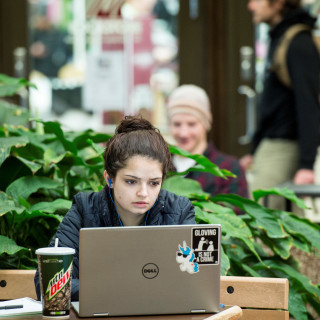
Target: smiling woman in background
(190,119)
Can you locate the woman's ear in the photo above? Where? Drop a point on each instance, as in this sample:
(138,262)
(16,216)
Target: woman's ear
(107,178)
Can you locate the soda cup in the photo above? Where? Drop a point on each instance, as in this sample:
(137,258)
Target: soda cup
(55,273)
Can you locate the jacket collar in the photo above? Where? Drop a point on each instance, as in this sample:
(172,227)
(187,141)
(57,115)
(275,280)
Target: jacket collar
(294,17)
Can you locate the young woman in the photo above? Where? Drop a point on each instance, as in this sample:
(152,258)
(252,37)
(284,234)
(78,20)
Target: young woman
(137,160)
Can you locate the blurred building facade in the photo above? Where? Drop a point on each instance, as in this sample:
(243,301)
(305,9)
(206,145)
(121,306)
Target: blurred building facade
(94,61)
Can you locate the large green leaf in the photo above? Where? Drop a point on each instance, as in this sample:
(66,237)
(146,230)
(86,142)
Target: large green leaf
(301,280)
(280,246)
(50,157)
(7,143)
(250,271)
(8,205)
(96,147)
(10,89)
(13,114)
(301,244)
(239,256)
(69,159)
(11,170)
(5,79)
(66,162)
(283,192)
(55,127)
(297,306)
(264,217)
(86,138)
(315,305)
(25,186)
(231,225)
(183,187)
(29,215)
(225,263)
(9,86)
(9,246)
(18,261)
(204,164)
(33,166)
(4,154)
(30,152)
(52,207)
(303,228)
(38,140)
(225,214)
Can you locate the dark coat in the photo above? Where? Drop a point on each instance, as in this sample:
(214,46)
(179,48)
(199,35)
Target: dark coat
(292,113)
(95,209)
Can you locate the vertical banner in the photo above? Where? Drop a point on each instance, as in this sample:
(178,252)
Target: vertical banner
(119,67)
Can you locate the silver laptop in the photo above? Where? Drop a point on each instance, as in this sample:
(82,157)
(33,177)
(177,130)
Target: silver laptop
(149,270)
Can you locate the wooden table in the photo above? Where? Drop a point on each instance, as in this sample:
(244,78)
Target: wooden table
(73,316)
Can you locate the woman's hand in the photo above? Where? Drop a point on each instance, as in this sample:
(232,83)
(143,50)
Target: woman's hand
(304,176)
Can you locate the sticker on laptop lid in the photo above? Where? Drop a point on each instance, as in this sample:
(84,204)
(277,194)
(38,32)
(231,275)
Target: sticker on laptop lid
(186,258)
(205,245)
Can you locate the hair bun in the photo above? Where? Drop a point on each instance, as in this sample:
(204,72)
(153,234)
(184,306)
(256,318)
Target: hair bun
(134,123)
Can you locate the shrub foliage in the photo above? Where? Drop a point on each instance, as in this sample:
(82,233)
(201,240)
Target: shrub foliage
(42,168)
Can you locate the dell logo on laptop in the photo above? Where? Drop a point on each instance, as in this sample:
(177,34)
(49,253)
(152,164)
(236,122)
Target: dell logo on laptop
(150,270)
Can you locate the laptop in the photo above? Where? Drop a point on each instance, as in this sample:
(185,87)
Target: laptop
(149,270)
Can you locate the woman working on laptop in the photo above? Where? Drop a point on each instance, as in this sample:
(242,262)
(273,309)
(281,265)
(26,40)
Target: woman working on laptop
(136,160)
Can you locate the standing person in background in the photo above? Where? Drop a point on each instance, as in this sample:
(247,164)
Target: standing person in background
(190,119)
(285,143)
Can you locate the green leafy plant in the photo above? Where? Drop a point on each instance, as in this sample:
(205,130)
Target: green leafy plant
(42,171)
(42,168)
(40,174)
(9,111)
(259,242)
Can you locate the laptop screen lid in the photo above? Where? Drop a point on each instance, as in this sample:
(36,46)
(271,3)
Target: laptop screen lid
(149,270)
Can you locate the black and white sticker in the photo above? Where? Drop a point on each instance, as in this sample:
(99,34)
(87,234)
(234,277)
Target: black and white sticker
(205,245)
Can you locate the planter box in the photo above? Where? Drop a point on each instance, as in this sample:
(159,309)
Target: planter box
(259,298)
(16,284)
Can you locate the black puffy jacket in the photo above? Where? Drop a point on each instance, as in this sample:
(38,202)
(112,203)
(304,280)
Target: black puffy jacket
(292,113)
(95,209)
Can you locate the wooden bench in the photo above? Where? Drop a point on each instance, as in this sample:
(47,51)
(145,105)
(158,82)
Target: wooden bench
(15,284)
(259,298)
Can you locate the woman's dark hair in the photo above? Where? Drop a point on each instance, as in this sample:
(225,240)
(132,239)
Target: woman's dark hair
(288,6)
(135,136)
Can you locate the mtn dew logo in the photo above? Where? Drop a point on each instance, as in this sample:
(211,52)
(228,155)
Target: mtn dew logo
(58,282)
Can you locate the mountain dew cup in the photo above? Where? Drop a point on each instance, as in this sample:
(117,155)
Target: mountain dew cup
(55,271)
